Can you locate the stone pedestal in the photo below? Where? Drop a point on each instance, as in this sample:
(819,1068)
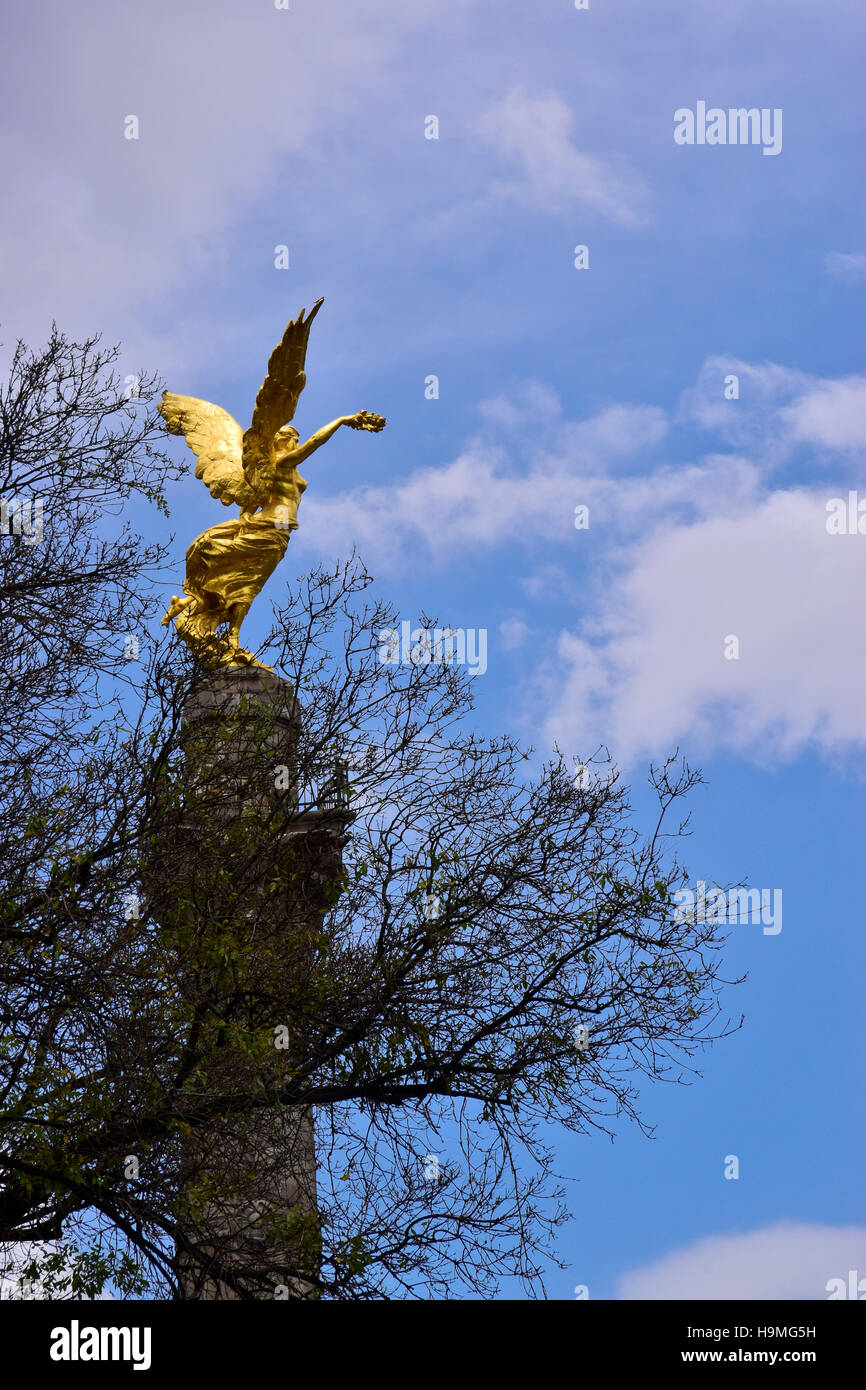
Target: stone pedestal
(242,873)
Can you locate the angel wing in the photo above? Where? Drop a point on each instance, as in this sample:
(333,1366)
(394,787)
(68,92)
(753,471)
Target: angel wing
(216,439)
(278,396)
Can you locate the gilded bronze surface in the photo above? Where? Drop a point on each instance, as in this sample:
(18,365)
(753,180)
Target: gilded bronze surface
(256,470)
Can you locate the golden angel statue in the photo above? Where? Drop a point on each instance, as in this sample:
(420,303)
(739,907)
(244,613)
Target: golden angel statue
(256,470)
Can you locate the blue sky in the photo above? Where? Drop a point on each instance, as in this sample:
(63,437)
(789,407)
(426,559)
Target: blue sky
(558,387)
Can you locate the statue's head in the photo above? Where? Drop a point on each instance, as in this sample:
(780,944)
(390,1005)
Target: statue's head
(285,442)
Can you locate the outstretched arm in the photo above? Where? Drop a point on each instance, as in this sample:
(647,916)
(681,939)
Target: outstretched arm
(364,420)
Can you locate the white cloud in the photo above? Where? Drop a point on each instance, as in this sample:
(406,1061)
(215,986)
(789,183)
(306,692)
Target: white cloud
(788,1260)
(656,674)
(550,582)
(534,132)
(752,419)
(778,409)
(847,266)
(528,403)
(224,99)
(513,632)
(832,414)
(616,433)
(482,500)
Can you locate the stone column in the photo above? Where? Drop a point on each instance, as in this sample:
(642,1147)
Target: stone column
(242,878)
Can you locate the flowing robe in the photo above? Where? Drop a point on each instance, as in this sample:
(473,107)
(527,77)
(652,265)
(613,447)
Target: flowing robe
(229,563)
